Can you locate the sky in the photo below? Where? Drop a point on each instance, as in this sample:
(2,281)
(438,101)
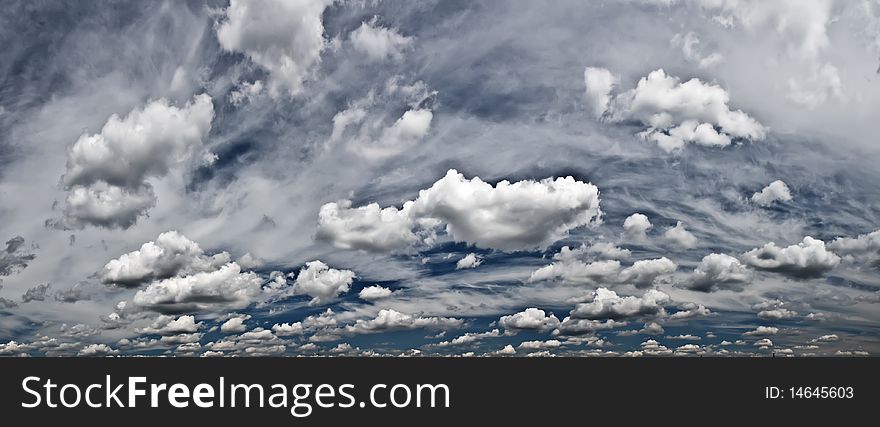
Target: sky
(440,178)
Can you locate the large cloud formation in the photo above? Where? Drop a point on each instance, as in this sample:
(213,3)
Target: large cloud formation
(676,113)
(808,259)
(169,255)
(508,216)
(284,37)
(225,288)
(108,172)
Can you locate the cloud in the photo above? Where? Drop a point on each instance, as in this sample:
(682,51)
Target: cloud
(606,304)
(470,338)
(636,226)
(375,292)
(107,173)
(168,325)
(97,350)
(15,257)
(287,329)
(690,310)
(508,216)
(530,318)
(321,282)
(283,37)
(390,320)
(36,293)
(863,248)
(379,43)
(643,273)
(775,191)
(225,288)
(171,254)
(677,113)
(762,331)
(808,259)
(368,228)
(577,271)
(470,260)
(680,237)
(719,271)
(599,82)
(539,345)
(567,268)
(235,324)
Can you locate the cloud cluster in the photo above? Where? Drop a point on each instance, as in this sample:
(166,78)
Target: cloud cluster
(108,173)
(171,254)
(391,320)
(224,288)
(283,37)
(569,268)
(807,259)
(606,304)
(675,113)
(508,216)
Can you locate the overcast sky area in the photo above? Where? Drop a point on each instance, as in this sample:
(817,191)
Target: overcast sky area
(516,178)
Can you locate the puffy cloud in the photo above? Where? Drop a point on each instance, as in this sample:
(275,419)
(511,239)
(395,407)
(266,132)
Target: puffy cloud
(287,329)
(508,216)
(518,216)
(169,255)
(410,128)
(599,82)
(367,228)
(284,37)
(680,237)
(168,325)
(719,271)
(15,257)
(763,343)
(107,173)
(643,273)
(389,320)
(508,350)
(530,318)
(379,43)
(690,310)
(606,304)
(654,348)
(678,113)
(97,350)
(470,260)
(235,324)
(863,248)
(37,293)
(321,282)
(636,226)
(375,292)
(227,287)
(808,259)
(775,191)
